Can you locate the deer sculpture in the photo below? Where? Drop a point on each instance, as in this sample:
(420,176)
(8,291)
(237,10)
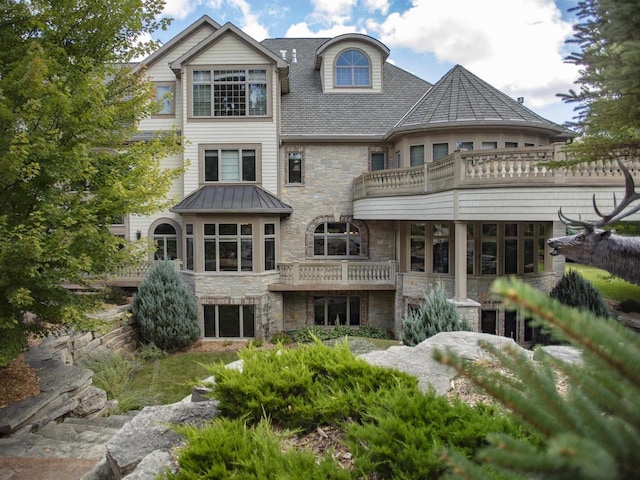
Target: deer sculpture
(618,255)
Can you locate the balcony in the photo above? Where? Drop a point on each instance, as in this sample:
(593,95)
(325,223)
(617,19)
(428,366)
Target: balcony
(130,275)
(339,275)
(489,169)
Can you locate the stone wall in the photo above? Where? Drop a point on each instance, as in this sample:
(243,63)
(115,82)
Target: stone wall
(119,333)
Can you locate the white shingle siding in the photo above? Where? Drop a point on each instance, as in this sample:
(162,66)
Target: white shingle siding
(229,50)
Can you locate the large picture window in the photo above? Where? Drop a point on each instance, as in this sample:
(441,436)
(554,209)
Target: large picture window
(228,247)
(336,310)
(337,239)
(222,164)
(430,247)
(229,92)
(166,240)
(353,69)
(229,321)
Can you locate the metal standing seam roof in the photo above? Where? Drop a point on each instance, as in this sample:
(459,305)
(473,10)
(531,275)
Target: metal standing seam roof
(232,199)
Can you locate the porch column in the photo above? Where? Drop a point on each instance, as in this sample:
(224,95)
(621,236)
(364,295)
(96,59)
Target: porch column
(460,263)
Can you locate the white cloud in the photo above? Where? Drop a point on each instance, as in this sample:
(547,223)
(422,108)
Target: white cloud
(514,45)
(381,6)
(180,9)
(333,8)
(302,30)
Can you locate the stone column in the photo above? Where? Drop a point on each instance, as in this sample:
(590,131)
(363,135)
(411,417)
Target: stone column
(460,261)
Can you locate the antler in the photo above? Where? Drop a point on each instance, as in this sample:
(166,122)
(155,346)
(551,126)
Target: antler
(618,212)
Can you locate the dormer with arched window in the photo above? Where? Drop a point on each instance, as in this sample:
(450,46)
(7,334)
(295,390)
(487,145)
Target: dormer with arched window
(351,63)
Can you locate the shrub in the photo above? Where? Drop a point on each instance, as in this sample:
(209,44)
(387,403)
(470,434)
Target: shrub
(281,337)
(402,435)
(150,352)
(228,449)
(111,372)
(310,334)
(629,305)
(303,387)
(575,291)
(166,311)
(115,295)
(436,314)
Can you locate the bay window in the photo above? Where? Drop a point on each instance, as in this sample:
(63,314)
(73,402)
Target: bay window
(228,247)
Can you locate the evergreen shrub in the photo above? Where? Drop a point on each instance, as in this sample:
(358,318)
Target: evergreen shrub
(281,337)
(304,387)
(402,435)
(576,291)
(629,305)
(229,449)
(165,310)
(312,333)
(434,315)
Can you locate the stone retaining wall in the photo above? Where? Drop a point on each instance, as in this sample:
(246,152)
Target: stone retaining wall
(120,334)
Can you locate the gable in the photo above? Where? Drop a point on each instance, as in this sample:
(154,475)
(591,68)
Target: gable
(230,50)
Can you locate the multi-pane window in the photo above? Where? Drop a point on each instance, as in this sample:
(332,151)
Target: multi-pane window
(229,165)
(229,321)
(440,247)
(353,69)
(229,93)
(336,310)
(294,167)
(166,240)
(489,145)
(416,155)
(440,150)
(377,161)
(336,239)
(188,237)
(489,249)
(228,247)
(529,252)
(471,248)
(269,246)
(510,248)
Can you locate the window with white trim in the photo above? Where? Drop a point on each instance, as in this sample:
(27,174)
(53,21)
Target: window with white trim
(166,240)
(165,93)
(269,246)
(336,310)
(294,168)
(233,92)
(229,321)
(188,246)
(353,69)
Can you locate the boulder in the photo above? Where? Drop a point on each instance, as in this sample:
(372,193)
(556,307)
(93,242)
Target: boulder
(418,361)
(151,431)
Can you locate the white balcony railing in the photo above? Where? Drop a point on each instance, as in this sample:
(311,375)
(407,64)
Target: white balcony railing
(341,272)
(490,168)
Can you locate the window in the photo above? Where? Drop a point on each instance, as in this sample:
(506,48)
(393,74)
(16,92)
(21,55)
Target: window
(294,167)
(269,246)
(229,165)
(165,92)
(418,247)
(510,248)
(377,161)
(471,248)
(229,93)
(489,321)
(336,239)
(228,247)
(510,144)
(166,240)
(440,244)
(229,321)
(489,249)
(511,324)
(416,155)
(464,145)
(529,253)
(352,69)
(440,150)
(338,310)
(489,145)
(188,231)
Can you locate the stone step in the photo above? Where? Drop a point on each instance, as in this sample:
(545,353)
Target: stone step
(112,421)
(35,446)
(85,433)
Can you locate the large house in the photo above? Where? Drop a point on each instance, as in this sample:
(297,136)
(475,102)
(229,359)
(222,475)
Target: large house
(325,186)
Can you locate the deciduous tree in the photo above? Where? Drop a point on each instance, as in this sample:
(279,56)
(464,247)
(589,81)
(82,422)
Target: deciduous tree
(69,105)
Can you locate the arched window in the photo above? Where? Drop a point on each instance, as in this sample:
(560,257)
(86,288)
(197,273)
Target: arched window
(353,69)
(166,239)
(337,239)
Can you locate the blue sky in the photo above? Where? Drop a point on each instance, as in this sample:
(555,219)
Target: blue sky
(518,46)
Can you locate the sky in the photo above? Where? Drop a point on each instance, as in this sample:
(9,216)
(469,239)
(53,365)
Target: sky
(518,46)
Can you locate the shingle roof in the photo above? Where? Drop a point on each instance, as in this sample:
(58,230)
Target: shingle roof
(307,112)
(232,199)
(461,97)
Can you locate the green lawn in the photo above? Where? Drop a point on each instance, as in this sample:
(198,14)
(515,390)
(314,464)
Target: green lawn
(167,380)
(612,288)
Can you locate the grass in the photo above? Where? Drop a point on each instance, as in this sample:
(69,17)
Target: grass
(611,288)
(167,379)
